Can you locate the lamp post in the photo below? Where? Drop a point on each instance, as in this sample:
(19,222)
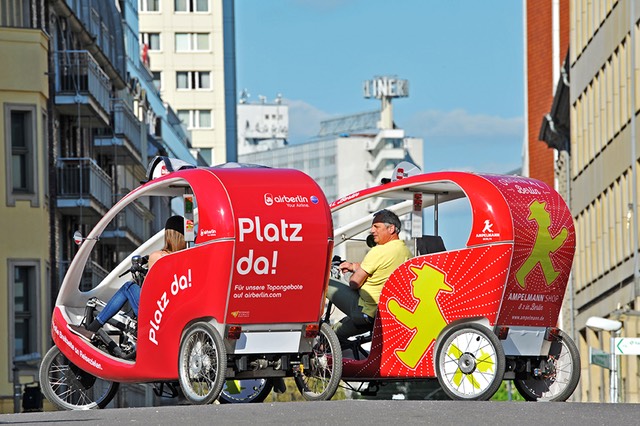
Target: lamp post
(613,327)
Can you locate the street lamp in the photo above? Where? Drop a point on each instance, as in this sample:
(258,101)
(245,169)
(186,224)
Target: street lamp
(613,327)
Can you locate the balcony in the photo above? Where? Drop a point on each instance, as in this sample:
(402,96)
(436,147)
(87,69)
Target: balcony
(124,140)
(83,187)
(130,229)
(92,275)
(381,139)
(82,88)
(386,158)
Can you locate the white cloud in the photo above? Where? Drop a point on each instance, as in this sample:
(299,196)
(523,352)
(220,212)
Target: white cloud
(457,140)
(304,120)
(460,124)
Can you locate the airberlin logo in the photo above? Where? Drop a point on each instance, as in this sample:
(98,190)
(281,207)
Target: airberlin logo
(290,201)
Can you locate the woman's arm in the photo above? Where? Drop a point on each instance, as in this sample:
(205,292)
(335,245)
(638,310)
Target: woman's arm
(153,257)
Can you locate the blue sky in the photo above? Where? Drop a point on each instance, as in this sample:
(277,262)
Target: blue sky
(464,61)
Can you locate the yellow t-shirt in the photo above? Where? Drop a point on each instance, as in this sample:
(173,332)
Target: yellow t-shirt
(380,263)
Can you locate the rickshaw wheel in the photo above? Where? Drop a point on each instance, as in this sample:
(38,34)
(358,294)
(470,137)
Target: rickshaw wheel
(245,391)
(562,378)
(202,363)
(470,362)
(69,388)
(321,380)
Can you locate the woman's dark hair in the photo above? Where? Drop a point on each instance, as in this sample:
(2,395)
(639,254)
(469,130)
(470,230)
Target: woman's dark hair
(174,234)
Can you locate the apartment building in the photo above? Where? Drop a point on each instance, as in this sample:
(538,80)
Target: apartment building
(592,122)
(189,46)
(81,118)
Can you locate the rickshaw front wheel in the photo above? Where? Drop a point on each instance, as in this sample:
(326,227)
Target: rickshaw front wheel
(69,388)
(560,376)
(202,363)
(321,380)
(470,362)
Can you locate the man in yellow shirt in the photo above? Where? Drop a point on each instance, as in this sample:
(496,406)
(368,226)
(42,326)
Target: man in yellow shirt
(359,300)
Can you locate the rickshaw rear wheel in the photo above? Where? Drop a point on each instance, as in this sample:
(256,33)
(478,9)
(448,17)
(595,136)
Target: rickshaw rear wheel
(560,381)
(470,362)
(245,391)
(202,363)
(321,380)
(69,388)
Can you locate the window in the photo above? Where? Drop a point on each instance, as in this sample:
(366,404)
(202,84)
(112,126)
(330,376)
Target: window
(149,5)
(193,80)
(191,5)
(189,42)
(15,13)
(196,119)
(152,40)
(157,79)
(20,151)
(23,305)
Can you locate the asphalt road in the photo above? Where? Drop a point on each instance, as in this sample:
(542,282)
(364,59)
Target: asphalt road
(350,412)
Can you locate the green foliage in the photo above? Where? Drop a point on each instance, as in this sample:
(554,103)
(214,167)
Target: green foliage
(503,393)
(293,394)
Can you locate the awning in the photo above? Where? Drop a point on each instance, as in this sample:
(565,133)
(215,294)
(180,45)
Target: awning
(556,126)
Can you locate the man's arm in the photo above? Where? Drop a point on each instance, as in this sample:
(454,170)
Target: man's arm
(358,278)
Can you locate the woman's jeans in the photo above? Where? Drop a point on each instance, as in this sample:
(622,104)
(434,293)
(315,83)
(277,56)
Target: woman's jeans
(129,292)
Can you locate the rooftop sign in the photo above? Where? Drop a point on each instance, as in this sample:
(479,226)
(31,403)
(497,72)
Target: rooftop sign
(386,87)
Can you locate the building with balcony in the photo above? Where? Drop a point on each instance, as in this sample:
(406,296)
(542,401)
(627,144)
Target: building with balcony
(189,48)
(262,125)
(82,118)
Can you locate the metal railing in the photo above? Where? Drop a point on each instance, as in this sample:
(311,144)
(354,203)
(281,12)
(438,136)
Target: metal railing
(134,220)
(127,125)
(83,178)
(77,72)
(92,275)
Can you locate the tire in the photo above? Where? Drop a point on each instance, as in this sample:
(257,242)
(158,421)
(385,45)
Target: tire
(321,380)
(470,362)
(563,378)
(69,388)
(245,391)
(202,363)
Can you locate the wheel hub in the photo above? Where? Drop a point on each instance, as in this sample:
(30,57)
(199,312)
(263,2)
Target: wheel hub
(467,363)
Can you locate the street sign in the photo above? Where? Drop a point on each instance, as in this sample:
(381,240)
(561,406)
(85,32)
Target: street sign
(627,345)
(600,357)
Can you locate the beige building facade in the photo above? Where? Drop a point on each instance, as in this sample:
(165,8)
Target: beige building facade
(604,92)
(186,54)
(24,212)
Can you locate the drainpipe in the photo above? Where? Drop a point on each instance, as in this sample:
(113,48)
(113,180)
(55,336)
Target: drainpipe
(51,169)
(634,158)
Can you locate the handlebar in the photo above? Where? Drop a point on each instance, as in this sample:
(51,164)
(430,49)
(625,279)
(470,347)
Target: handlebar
(137,263)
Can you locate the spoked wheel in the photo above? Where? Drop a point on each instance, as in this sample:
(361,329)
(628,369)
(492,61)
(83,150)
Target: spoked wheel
(70,388)
(559,376)
(321,380)
(202,363)
(470,362)
(245,391)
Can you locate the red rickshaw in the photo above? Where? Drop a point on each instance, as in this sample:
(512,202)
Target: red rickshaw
(242,302)
(475,316)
